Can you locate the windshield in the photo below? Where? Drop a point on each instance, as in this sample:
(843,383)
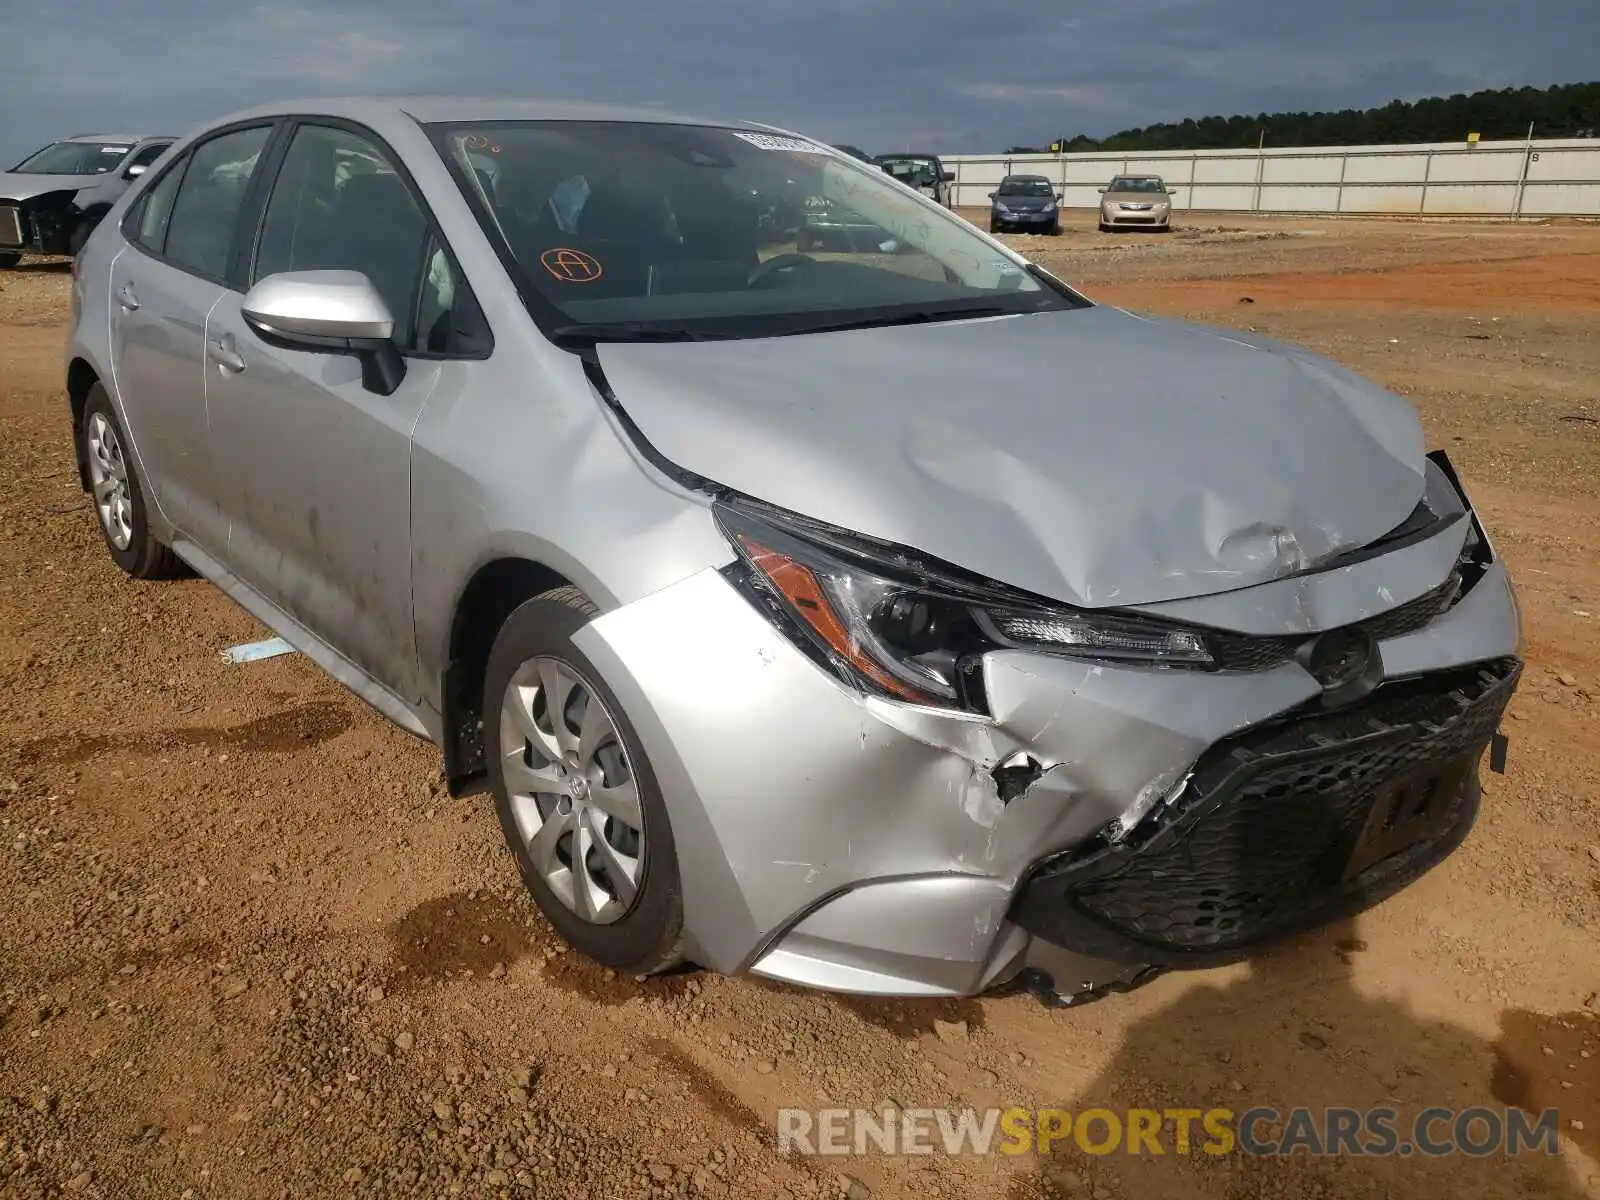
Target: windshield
(918,170)
(1129,184)
(639,230)
(1025,187)
(74,158)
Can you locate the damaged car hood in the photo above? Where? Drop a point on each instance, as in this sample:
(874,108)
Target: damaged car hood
(1089,455)
(26,187)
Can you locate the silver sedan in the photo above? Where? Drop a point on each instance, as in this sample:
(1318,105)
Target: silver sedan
(890,618)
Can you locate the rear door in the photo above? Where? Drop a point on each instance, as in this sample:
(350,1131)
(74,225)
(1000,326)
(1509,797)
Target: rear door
(316,469)
(181,234)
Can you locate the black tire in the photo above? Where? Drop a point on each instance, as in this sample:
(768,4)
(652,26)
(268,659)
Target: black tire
(1055,229)
(144,557)
(80,235)
(9,259)
(647,939)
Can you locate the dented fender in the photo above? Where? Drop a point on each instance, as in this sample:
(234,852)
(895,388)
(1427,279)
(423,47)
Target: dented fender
(855,790)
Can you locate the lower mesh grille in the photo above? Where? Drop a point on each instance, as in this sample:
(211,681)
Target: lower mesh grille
(1273,834)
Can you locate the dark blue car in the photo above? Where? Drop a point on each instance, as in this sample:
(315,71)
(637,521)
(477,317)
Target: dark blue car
(1025,203)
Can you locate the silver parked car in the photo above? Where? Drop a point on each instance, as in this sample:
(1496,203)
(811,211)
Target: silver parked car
(801,613)
(1135,201)
(51,200)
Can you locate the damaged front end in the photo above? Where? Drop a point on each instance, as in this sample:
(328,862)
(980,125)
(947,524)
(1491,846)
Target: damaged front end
(1013,793)
(40,223)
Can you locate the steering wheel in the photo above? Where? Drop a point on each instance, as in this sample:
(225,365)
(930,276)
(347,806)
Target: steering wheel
(778,264)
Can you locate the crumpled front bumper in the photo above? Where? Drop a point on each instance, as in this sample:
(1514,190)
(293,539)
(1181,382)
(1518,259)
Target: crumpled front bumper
(840,841)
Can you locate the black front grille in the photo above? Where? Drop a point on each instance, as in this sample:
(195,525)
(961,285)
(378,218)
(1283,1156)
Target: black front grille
(1261,843)
(1243,652)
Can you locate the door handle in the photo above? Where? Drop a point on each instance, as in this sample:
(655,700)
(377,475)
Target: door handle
(225,355)
(126,298)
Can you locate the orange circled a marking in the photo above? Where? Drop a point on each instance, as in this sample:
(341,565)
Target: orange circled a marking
(571,266)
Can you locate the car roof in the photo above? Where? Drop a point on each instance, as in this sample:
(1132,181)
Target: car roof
(130,138)
(907,154)
(1041,178)
(429,109)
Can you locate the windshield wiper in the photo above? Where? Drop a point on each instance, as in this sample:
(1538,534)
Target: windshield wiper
(587,335)
(781,325)
(919,316)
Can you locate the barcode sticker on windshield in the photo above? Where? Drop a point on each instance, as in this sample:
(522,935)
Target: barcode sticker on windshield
(772,141)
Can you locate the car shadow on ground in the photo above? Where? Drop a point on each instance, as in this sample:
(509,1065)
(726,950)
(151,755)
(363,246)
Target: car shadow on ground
(1296,1032)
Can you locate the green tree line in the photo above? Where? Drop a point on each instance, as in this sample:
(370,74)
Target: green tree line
(1569,110)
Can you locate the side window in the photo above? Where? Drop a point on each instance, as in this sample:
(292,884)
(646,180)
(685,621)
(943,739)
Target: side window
(339,205)
(207,207)
(153,210)
(449,320)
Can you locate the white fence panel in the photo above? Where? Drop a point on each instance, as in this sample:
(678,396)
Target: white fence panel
(1492,166)
(1533,178)
(1468,199)
(1559,199)
(1565,165)
(1396,199)
(1384,168)
(1222,199)
(1319,168)
(1225,170)
(1299,197)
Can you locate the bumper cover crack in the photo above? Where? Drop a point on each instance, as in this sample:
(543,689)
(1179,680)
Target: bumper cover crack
(1284,827)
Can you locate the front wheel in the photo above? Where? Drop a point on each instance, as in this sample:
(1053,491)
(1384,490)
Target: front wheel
(577,800)
(9,258)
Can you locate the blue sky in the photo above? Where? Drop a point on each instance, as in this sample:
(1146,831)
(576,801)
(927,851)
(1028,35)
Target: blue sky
(883,74)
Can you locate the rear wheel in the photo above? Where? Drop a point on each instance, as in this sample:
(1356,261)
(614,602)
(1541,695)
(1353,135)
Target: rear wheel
(577,801)
(119,494)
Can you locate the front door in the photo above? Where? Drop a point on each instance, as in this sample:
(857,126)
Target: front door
(316,468)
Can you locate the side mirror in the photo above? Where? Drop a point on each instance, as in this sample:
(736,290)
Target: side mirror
(947,176)
(1060,196)
(991,195)
(136,170)
(1102,191)
(335,312)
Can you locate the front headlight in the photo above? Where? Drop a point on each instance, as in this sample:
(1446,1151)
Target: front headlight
(1001,208)
(892,627)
